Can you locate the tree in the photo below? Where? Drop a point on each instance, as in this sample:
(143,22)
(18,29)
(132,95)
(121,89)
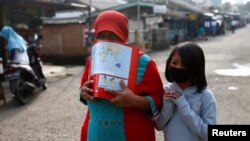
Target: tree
(227,7)
(242,8)
(248,6)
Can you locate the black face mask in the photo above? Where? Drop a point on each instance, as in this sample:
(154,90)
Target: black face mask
(179,75)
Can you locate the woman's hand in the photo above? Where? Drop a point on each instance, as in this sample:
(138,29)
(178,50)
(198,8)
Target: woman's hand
(86,90)
(124,98)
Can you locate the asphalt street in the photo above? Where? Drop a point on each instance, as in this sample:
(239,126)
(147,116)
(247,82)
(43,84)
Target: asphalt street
(56,114)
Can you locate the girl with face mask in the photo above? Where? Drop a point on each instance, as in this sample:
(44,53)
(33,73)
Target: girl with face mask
(188,105)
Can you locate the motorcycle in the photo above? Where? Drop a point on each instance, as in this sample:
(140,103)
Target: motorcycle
(24,80)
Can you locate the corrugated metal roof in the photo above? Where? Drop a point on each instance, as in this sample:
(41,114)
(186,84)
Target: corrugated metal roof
(124,6)
(103,4)
(187,6)
(64,17)
(98,4)
(60,19)
(121,5)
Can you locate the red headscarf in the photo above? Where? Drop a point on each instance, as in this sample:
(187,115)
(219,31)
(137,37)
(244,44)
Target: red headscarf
(112,21)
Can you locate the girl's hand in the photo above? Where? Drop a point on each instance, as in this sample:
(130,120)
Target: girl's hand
(171,95)
(86,90)
(123,98)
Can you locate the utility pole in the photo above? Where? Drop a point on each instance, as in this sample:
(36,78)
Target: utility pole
(89,10)
(137,31)
(167,2)
(88,36)
(138,14)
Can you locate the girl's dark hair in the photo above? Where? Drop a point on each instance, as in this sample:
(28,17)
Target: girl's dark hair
(192,58)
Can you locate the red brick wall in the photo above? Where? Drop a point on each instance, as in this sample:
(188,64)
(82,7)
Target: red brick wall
(63,40)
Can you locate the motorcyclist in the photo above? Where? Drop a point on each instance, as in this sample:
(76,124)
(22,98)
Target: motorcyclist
(22,78)
(16,46)
(17,51)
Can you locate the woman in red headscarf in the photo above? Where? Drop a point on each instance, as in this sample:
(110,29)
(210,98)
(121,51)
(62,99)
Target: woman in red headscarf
(128,116)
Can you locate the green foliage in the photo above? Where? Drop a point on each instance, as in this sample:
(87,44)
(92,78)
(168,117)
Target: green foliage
(227,7)
(248,6)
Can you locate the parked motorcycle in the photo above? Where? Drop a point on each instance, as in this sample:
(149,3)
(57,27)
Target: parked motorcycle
(26,79)
(24,70)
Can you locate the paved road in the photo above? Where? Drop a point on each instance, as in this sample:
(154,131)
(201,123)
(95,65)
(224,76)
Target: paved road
(57,114)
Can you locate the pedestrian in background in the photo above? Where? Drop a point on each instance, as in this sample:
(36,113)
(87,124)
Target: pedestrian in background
(128,116)
(202,33)
(233,25)
(188,105)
